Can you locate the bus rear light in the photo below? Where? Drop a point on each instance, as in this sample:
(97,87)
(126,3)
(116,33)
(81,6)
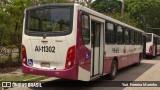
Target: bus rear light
(24,55)
(70,59)
(151,48)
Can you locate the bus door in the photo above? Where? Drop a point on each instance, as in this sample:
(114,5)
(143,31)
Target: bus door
(97,45)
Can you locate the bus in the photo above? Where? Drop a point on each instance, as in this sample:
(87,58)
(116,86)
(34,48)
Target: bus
(70,41)
(152,45)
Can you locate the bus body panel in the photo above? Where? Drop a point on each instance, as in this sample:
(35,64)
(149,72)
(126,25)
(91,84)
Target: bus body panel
(67,74)
(148,45)
(158,48)
(83,66)
(126,55)
(57,68)
(152,44)
(83,55)
(56,58)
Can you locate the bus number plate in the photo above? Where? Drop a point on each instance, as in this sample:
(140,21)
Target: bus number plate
(45,64)
(45,49)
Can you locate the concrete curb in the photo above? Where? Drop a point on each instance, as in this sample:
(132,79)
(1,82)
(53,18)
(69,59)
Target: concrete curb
(48,79)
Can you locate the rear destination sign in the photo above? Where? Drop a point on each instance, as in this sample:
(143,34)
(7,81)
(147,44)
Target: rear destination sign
(45,49)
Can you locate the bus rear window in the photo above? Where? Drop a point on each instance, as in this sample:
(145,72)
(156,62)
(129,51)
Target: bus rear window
(51,20)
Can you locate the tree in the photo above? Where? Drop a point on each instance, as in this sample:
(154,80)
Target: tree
(52,1)
(88,2)
(107,6)
(145,12)
(4,18)
(11,15)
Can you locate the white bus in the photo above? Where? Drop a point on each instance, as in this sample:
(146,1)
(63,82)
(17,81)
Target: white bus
(74,42)
(152,45)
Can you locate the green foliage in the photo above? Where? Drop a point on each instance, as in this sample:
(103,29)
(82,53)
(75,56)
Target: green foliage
(11,15)
(22,77)
(51,1)
(139,13)
(145,12)
(112,8)
(107,6)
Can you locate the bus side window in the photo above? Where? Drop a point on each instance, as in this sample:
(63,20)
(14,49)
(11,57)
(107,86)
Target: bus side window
(132,37)
(136,38)
(85,28)
(119,35)
(110,33)
(140,36)
(126,36)
(129,34)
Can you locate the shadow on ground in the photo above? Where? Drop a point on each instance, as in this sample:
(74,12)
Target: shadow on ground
(127,74)
(152,58)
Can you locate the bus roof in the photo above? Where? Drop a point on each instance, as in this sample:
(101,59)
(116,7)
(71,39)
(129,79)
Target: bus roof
(154,34)
(52,4)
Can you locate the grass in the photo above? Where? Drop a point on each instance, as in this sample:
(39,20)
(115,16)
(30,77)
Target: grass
(11,46)
(23,77)
(3,60)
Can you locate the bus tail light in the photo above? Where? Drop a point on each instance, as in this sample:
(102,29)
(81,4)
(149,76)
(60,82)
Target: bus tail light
(70,59)
(24,55)
(151,48)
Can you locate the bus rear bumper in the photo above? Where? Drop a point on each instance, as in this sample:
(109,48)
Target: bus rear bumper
(71,73)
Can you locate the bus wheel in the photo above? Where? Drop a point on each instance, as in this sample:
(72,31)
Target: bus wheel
(113,70)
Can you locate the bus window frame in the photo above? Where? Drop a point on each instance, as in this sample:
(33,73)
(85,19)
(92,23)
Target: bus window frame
(122,35)
(114,30)
(49,34)
(128,30)
(89,32)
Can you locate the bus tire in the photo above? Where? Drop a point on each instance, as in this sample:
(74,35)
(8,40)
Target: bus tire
(113,70)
